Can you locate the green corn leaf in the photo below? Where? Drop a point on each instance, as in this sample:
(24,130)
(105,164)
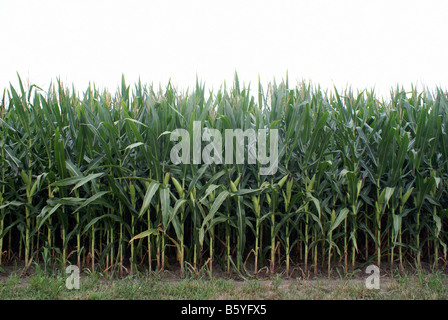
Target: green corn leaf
(150,192)
(145,234)
(340,217)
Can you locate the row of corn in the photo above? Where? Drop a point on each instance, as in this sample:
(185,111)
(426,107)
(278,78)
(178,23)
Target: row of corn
(87,179)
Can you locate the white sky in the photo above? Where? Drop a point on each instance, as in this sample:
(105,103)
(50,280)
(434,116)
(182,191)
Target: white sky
(361,43)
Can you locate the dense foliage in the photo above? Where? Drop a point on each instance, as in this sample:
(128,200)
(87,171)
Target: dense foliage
(359,179)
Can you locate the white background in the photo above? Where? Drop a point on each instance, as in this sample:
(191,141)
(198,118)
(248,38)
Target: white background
(364,44)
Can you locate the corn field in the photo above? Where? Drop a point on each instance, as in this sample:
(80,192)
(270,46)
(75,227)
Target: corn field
(87,179)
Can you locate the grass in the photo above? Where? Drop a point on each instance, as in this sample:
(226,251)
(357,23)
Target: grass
(409,285)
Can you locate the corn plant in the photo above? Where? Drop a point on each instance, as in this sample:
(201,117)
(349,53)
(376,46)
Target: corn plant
(87,178)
